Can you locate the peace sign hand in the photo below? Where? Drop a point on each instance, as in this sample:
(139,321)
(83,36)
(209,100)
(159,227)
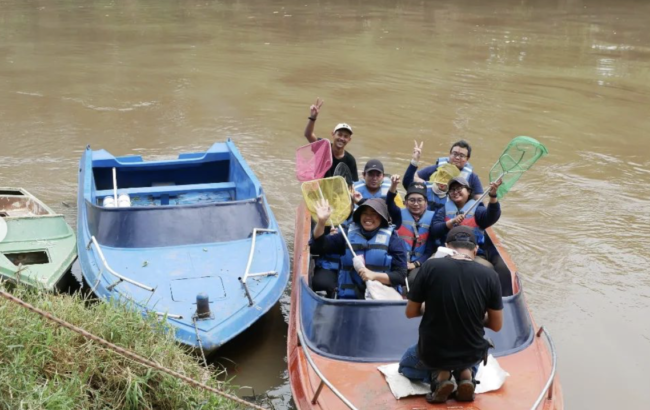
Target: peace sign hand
(314,110)
(417,151)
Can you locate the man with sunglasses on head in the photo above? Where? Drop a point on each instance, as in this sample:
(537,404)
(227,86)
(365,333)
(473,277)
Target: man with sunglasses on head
(459,155)
(414,224)
(341,136)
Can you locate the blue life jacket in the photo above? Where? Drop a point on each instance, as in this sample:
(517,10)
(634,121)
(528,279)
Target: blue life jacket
(360,187)
(465,172)
(375,253)
(434,202)
(451,211)
(332,261)
(415,235)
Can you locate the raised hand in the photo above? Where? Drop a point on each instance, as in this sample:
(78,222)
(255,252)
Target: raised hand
(494,186)
(356,197)
(394,182)
(417,151)
(323,210)
(314,110)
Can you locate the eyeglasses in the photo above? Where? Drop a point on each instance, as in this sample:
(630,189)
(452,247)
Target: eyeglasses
(456,154)
(456,188)
(415,200)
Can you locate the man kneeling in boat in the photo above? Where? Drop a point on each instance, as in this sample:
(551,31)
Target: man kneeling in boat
(461,297)
(381,255)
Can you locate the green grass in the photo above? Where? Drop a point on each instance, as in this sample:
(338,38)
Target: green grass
(45,366)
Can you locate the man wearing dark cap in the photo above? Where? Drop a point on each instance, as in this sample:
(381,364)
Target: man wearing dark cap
(341,136)
(380,254)
(459,155)
(460,209)
(414,224)
(374,185)
(461,297)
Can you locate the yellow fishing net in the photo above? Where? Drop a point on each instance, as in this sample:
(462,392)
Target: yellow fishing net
(444,174)
(335,190)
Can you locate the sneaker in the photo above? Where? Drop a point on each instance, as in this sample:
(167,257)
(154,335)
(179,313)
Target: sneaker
(465,391)
(441,393)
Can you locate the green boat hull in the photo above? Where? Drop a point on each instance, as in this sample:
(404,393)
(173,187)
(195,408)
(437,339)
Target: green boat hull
(39,246)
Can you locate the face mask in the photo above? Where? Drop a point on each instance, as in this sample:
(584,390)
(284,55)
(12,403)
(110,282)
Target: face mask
(440,193)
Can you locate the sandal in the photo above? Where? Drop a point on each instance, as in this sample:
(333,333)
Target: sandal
(441,393)
(465,391)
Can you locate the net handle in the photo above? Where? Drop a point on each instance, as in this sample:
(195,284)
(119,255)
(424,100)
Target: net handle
(478,201)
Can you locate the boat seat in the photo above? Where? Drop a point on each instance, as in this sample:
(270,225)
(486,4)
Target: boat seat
(170,190)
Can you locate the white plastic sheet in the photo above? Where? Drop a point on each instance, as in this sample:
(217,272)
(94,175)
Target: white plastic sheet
(491,377)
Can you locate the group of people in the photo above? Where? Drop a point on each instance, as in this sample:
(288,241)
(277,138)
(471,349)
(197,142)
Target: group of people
(394,246)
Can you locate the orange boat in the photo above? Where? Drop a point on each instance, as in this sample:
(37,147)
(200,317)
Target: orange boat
(335,346)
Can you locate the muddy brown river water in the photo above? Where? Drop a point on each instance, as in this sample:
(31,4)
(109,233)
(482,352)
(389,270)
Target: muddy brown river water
(161,77)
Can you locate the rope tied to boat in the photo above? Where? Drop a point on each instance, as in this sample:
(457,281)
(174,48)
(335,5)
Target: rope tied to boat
(127,353)
(198,338)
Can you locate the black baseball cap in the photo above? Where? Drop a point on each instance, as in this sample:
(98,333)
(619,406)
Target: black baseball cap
(461,234)
(374,164)
(417,188)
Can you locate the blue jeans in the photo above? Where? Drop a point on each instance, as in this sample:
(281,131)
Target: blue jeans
(411,367)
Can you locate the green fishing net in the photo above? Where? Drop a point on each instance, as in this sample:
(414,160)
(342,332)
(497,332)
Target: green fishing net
(517,158)
(335,190)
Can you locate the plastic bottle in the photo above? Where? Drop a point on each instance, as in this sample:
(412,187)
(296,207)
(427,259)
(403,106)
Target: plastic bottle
(124,201)
(108,202)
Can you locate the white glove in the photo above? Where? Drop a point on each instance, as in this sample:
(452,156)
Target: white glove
(358,262)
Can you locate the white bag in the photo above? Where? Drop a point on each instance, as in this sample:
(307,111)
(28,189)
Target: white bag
(378,291)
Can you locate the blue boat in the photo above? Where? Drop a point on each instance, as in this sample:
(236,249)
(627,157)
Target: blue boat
(166,234)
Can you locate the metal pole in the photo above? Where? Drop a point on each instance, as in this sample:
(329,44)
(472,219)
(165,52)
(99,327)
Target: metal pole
(115,185)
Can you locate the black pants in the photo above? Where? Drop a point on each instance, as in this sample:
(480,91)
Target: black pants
(501,269)
(325,279)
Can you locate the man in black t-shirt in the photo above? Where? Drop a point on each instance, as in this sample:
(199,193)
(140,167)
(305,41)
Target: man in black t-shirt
(461,298)
(341,136)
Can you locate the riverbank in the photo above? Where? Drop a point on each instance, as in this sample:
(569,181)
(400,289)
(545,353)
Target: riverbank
(43,365)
